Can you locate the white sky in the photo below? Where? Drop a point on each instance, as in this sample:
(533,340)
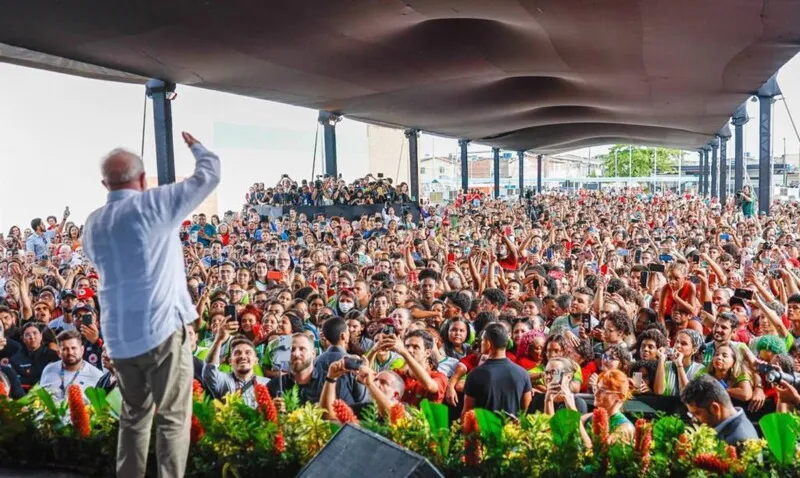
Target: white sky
(54,128)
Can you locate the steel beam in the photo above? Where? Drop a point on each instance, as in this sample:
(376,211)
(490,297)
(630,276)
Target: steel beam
(413,163)
(700,168)
(162,93)
(462,143)
(765,95)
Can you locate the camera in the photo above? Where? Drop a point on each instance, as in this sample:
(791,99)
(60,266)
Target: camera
(774,375)
(670,353)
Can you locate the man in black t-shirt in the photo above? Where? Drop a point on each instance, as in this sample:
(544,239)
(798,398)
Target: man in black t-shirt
(498,384)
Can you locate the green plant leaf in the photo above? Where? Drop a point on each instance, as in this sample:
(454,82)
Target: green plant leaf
(564,426)
(779,431)
(50,405)
(97,398)
(489,424)
(438,418)
(114,401)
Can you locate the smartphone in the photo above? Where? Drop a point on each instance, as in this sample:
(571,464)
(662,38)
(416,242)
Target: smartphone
(746,294)
(644,277)
(637,256)
(696,258)
(593,267)
(230,313)
(623,252)
(637,380)
(557,375)
(352,363)
(451,258)
(725,236)
(604,269)
(708,307)
(665,258)
(86,319)
(644,240)
(586,322)
(275,275)
(656,268)
(548,254)
(568,265)
(694,280)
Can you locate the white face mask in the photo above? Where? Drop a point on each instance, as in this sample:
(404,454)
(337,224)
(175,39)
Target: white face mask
(345,306)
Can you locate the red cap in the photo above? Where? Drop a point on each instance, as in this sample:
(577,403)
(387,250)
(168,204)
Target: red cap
(84,294)
(186,223)
(92,275)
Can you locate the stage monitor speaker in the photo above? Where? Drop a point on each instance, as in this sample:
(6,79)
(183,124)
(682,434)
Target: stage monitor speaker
(355,453)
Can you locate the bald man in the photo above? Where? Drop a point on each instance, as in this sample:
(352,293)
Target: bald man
(133,241)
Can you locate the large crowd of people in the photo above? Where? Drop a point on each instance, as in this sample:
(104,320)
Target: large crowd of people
(563,300)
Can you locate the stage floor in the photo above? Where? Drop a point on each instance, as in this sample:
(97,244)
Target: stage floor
(6,473)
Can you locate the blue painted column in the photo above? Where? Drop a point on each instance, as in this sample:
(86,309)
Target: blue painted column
(724,134)
(462,143)
(496,163)
(161,93)
(521,159)
(328,121)
(739,119)
(538,173)
(413,162)
(765,94)
(714,172)
(700,168)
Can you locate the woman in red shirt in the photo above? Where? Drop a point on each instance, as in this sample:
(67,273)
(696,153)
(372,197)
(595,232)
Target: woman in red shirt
(678,290)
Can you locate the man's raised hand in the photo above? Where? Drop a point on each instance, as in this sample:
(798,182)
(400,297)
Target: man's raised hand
(189,139)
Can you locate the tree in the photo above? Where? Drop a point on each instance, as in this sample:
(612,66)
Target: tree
(618,161)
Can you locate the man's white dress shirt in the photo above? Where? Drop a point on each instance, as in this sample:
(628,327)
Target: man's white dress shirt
(133,242)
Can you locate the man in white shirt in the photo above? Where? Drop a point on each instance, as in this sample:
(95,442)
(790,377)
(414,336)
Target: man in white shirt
(71,369)
(134,243)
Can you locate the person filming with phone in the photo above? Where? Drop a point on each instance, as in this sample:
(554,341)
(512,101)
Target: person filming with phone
(243,360)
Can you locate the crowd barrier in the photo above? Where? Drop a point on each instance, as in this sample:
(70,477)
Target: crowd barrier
(349,212)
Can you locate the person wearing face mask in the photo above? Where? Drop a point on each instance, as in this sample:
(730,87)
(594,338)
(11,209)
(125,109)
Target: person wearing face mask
(345,302)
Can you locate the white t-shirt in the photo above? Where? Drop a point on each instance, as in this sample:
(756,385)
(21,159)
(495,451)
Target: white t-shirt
(53,381)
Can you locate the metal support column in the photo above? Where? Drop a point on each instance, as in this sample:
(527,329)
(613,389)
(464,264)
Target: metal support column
(462,143)
(539,173)
(496,163)
(724,134)
(739,119)
(328,121)
(700,168)
(521,159)
(162,94)
(706,158)
(769,90)
(714,171)
(413,163)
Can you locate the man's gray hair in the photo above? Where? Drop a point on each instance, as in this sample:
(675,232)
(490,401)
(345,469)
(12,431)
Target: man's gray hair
(117,172)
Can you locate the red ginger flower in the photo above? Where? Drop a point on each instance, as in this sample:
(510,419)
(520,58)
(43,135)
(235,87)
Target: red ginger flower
(643,437)
(197,389)
(397,412)
(78,412)
(600,426)
(344,413)
(730,450)
(197,430)
(279,446)
(3,389)
(265,403)
(682,446)
(472,443)
(711,462)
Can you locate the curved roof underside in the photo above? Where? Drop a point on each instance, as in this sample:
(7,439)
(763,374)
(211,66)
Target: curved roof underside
(546,75)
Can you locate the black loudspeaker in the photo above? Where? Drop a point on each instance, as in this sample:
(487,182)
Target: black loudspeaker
(354,453)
